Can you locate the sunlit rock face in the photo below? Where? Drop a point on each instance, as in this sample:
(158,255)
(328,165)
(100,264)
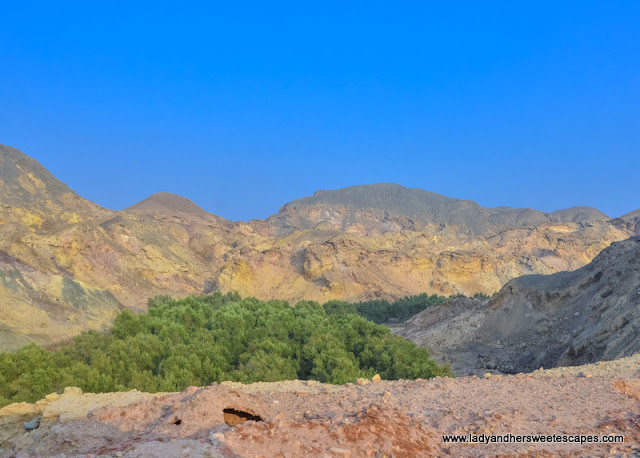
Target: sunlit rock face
(67,264)
(563,319)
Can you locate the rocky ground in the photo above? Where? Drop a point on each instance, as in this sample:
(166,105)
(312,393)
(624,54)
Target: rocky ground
(299,418)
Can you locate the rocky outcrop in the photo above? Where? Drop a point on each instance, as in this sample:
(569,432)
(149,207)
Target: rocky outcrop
(357,243)
(45,307)
(568,318)
(388,207)
(633,219)
(31,197)
(303,418)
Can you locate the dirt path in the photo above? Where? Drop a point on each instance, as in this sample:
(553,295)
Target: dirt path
(402,418)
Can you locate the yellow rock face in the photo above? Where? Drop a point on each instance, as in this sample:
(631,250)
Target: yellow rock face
(18,409)
(88,269)
(68,265)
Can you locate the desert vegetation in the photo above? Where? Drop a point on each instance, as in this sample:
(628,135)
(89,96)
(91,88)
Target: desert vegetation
(383,311)
(213,338)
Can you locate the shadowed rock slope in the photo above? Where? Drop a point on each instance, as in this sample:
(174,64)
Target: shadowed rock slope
(40,298)
(568,318)
(68,264)
(387,206)
(633,219)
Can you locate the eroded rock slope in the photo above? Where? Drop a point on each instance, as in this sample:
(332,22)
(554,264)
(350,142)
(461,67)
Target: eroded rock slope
(67,264)
(567,318)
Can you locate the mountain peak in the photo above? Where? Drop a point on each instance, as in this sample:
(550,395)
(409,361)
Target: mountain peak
(632,215)
(388,196)
(171,203)
(411,208)
(25,180)
(43,200)
(577,214)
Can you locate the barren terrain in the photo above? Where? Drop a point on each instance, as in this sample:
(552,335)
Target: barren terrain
(563,319)
(299,418)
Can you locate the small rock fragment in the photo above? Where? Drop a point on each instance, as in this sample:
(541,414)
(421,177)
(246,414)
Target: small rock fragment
(31,425)
(73,391)
(21,408)
(376,378)
(52,397)
(335,451)
(41,405)
(362,381)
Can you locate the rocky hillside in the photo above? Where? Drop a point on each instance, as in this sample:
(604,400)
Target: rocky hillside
(40,298)
(32,197)
(67,264)
(633,219)
(387,207)
(568,318)
(372,418)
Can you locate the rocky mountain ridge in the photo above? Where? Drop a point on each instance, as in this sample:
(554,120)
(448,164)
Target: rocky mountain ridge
(69,264)
(564,319)
(397,207)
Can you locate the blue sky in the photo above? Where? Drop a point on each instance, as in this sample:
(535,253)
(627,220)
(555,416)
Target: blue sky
(243,106)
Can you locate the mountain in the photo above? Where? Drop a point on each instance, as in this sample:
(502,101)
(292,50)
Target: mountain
(74,265)
(169,204)
(631,215)
(39,298)
(31,196)
(633,218)
(567,318)
(387,206)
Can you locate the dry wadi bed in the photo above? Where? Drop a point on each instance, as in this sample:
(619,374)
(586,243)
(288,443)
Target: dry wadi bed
(296,418)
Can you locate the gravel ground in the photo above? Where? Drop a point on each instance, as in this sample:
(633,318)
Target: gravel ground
(301,418)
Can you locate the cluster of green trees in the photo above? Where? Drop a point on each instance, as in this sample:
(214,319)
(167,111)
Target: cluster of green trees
(383,311)
(200,340)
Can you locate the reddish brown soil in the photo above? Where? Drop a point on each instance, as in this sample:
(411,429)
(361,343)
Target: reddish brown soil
(400,419)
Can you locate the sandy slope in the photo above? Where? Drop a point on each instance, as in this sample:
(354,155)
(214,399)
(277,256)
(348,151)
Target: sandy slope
(402,418)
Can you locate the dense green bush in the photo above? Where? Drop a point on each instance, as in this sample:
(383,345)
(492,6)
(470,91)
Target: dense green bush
(383,311)
(200,340)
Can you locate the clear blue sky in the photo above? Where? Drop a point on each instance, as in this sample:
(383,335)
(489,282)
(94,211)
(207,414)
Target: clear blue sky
(243,106)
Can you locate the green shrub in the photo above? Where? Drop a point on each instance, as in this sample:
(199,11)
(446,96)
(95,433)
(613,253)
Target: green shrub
(200,340)
(383,311)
